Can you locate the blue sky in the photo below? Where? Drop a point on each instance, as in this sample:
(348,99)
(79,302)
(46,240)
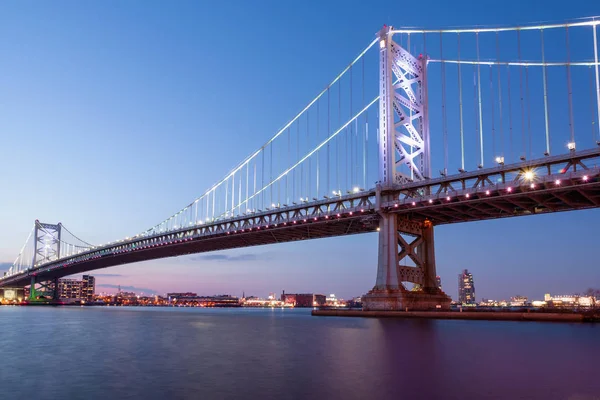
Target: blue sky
(116,114)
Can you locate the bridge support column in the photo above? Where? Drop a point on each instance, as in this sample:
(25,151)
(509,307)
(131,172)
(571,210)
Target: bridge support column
(399,239)
(32,291)
(55,295)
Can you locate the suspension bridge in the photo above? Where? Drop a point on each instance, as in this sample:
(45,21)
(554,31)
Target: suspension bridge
(422,128)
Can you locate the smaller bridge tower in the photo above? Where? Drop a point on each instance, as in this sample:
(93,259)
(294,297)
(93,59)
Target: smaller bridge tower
(46,240)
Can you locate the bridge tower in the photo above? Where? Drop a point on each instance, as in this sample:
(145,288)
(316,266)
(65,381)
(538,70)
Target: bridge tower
(46,240)
(404,157)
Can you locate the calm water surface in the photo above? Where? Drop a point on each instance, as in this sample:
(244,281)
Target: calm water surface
(159,353)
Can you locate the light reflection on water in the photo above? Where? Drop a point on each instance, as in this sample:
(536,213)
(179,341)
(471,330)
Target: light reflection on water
(159,353)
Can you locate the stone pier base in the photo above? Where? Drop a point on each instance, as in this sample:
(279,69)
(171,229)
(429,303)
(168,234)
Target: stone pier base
(404,300)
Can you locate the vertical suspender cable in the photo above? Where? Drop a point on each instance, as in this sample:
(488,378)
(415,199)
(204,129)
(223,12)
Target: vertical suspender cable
(356,162)
(240,194)
(298,159)
(510,121)
(262,171)
(444,119)
(351,177)
(254,199)
(287,187)
(479,98)
(499,96)
(475,113)
(247,179)
(232,193)
(338,141)
(226,197)
(327,171)
(317,141)
(493,106)
(570,88)
(308,181)
(521,94)
(528,110)
(545,96)
(271,172)
(366,128)
(597,79)
(460,108)
(592,106)
(278,168)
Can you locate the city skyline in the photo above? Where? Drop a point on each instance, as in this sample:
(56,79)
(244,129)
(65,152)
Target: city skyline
(74,98)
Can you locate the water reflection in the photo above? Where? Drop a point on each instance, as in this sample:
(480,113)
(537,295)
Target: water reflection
(93,353)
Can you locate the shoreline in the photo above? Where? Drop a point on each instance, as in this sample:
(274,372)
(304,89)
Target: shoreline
(466,315)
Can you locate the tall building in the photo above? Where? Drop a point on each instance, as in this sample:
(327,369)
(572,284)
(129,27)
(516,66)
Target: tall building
(466,288)
(88,287)
(69,289)
(438,282)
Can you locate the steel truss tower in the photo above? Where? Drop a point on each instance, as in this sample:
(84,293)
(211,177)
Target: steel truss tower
(404,157)
(47,249)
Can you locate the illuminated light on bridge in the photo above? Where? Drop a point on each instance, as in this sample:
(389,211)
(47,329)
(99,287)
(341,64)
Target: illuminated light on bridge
(415,113)
(529,175)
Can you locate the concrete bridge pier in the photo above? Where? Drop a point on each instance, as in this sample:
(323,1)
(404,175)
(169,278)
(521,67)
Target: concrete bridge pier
(399,239)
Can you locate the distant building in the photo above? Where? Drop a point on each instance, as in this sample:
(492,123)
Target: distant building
(518,301)
(11,294)
(438,282)
(466,288)
(488,303)
(88,288)
(69,288)
(303,299)
(569,300)
(178,295)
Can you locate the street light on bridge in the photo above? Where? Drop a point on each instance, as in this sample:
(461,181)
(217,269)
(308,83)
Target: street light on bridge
(529,175)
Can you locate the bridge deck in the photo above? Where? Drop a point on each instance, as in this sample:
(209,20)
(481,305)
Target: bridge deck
(486,194)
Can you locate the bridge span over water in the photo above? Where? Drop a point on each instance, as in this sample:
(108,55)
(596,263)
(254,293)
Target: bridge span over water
(360,158)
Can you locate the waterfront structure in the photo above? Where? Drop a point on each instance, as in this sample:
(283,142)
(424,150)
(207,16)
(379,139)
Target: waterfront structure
(69,289)
(88,287)
(518,301)
(303,299)
(466,288)
(396,191)
(177,295)
(271,301)
(11,295)
(569,300)
(332,301)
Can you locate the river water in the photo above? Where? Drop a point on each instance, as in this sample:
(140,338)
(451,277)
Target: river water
(183,353)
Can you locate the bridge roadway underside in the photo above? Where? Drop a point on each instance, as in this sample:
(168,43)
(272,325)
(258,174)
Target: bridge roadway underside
(363,223)
(520,202)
